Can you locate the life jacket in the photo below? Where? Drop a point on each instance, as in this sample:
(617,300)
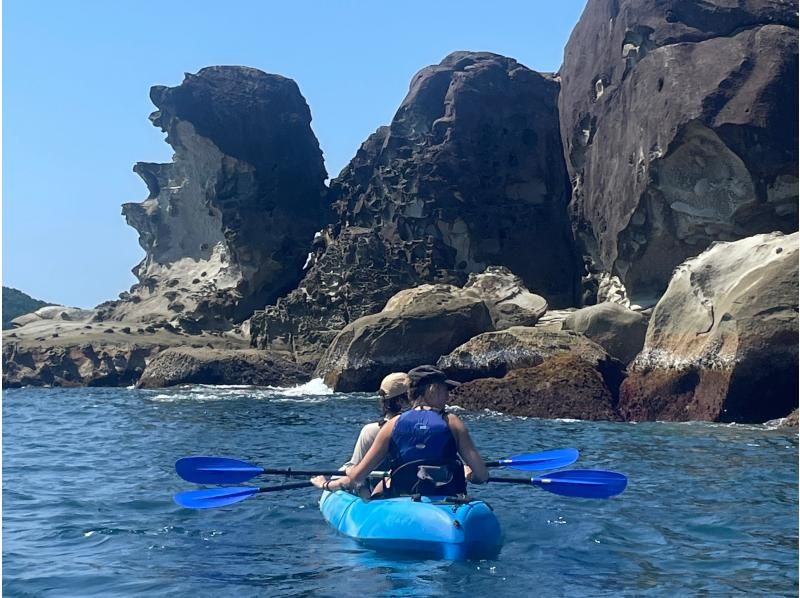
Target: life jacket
(423,455)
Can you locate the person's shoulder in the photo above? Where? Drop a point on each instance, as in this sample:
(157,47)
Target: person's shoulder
(454,420)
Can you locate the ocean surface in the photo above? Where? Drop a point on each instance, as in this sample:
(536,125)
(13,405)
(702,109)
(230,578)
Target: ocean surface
(88,479)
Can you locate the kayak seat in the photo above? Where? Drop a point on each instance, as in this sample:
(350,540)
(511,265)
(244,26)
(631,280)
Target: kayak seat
(427,478)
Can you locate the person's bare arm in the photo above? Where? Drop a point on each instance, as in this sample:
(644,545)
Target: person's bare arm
(361,470)
(467,450)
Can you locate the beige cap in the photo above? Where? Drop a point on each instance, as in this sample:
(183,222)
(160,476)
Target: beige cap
(394,385)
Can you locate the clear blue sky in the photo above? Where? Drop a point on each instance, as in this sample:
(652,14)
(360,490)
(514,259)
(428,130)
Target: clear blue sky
(76,77)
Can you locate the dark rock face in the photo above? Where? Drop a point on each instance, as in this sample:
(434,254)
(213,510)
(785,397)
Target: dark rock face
(562,386)
(617,329)
(79,365)
(228,224)
(722,344)
(219,366)
(468,174)
(396,340)
(679,121)
(495,354)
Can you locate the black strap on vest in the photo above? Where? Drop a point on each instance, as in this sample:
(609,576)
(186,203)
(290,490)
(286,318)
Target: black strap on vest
(429,478)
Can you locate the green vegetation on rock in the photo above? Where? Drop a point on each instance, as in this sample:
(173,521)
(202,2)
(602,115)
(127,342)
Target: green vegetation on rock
(17,303)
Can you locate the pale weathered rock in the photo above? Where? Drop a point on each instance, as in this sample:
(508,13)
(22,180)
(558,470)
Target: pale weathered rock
(400,339)
(617,329)
(221,366)
(722,344)
(466,176)
(54,312)
(509,302)
(228,224)
(679,121)
(562,386)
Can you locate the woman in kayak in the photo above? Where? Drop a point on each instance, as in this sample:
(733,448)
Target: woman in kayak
(426,440)
(393,394)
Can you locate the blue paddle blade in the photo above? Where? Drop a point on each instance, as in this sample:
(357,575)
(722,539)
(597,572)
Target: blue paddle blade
(214,497)
(585,483)
(553,459)
(215,470)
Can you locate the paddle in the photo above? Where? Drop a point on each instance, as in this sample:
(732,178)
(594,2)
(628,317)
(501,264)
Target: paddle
(553,459)
(583,483)
(219,497)
(224,470)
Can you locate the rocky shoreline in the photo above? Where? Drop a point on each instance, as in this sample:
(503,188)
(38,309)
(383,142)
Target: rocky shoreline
(615,241)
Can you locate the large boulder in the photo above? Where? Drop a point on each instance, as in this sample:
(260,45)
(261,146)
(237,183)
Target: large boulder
(495,354)
(468,174)
(186,365)
(679,122)
(617,329)
(562,386)
(228,225)
(509,302)
(722,344)
(401,338)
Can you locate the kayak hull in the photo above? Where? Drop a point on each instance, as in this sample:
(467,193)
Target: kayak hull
(429,528)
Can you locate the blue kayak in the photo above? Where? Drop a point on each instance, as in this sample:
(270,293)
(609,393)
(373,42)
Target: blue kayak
(429,528)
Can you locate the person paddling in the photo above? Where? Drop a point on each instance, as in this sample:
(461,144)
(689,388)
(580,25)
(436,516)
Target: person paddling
(423,445)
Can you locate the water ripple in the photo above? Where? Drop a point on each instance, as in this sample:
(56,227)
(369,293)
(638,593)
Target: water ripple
(88,481)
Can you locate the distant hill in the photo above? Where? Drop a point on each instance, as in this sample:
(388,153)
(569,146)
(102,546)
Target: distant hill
(17,303)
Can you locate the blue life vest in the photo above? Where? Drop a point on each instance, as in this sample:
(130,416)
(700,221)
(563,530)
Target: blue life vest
(422,434)
(422,438)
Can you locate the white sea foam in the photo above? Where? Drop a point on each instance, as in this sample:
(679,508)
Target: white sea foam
(315,387)
(311,391)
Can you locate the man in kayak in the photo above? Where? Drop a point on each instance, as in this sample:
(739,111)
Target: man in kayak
(393,394)
(422,444)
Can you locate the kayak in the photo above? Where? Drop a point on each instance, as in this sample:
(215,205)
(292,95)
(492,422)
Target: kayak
(433,527)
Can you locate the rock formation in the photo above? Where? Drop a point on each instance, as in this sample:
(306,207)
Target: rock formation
(220,366)
(617,329)
(722,344)
(495,354)
(421,324)
(561,386)
(400,338)
(468,174)
(679,121)
(58,346)
(228,224)
(75,365)
(509,302)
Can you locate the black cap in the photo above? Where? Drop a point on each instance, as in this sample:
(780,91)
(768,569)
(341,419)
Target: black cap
(428,374)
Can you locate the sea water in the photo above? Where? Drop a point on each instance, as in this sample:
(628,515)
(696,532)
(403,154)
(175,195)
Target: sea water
(88,479)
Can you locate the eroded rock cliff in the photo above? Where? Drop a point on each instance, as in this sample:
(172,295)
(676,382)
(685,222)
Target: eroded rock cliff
(679,121)
(722,344)
(468,174)
(228,224)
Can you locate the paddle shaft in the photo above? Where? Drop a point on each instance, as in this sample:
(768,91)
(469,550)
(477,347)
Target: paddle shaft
(314,472)
(511,480)
(292,486)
